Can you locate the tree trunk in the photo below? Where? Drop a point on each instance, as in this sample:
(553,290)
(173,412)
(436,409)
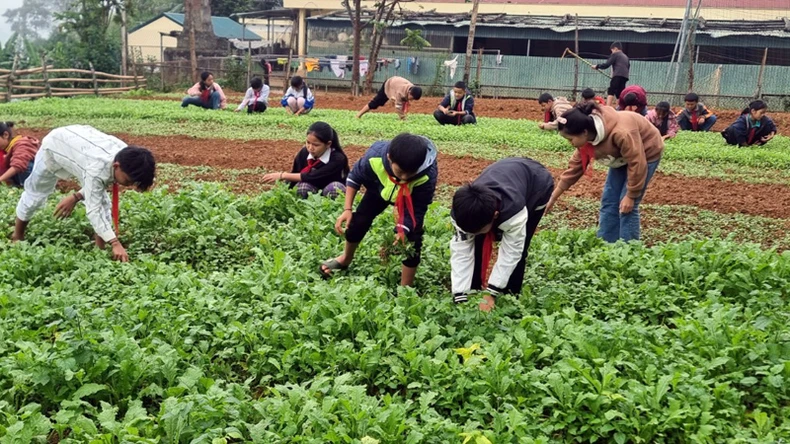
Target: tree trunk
(355,16)
(197,18)
(470,42)
(384,15)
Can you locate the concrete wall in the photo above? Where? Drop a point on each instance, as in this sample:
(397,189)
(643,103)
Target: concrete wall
(145,41)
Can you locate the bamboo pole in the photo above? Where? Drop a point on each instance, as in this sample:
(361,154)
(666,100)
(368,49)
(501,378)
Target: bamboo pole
(23,71)
(93,78)
(760,77)
(576,66)
(10,83)
(45,74)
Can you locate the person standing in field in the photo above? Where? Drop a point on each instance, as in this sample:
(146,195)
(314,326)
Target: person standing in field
(552,110)
(97,161)
(457,107)
(634,99)
(696,116)
(625,142)
(621,70)
(298,99)
(17,155)
(320,166)
(398,90)
(753,127)
(206,94)
(664,119)
(256,100)
(505,202)
(401,172)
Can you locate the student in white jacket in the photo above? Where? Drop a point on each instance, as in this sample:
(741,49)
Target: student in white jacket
(257,98)
(96,160)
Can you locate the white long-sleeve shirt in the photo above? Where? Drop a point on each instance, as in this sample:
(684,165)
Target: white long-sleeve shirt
(462,254)
(87,154)
(249,97)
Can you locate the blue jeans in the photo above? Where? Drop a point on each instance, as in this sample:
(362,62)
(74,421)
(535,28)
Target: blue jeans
(685,125)
(213,101)
(613,225)
(21,177)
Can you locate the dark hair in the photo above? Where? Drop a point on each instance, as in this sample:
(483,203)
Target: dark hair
(474,207)
(757,105)
(588,94)
(692,97)
(460,84)
(415,92)
(578,120)
(630,100)
(545,98)
(297,81)
(7,127)
(139,164)
(408,151)
(203,77)
(325,133)
(662,106)
(256,83)
(616,45)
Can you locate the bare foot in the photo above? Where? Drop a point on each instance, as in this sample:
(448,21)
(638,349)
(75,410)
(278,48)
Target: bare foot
(488,303)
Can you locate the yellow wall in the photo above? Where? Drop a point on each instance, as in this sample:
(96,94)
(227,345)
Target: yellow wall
(558,10)
(146,39)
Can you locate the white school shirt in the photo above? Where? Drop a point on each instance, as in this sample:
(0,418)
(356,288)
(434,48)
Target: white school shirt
(87,154)
(249,97)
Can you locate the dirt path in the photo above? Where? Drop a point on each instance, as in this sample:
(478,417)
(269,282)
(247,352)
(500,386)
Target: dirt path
(503,108)
(769,200)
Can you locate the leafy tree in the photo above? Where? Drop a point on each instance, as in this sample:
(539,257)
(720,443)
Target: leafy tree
(225,8)
(35,17)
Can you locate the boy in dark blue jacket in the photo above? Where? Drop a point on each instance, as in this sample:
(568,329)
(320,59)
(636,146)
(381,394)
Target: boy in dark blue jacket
(401,172)
(457,108)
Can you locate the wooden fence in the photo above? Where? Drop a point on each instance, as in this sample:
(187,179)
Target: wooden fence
(48,82)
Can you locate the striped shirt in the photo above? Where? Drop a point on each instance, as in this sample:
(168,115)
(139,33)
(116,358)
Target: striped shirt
(86,154)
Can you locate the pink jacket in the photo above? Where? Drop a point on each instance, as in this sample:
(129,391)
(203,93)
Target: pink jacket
(672,127)
(195,92)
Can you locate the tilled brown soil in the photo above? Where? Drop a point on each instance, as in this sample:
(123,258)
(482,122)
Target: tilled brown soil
(771,200)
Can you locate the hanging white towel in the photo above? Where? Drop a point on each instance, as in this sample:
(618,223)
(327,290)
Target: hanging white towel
(499,59)
(339,66)
(397,64)
(363,67)
(453,65)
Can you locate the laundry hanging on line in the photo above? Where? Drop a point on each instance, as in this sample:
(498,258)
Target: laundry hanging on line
(453,65)
(338,66)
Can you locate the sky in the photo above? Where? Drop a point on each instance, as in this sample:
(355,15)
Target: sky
(5,31)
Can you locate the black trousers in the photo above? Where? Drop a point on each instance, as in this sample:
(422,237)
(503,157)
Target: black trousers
(444,119)
(381,99)
(371,206)
(616,86)
(516,281)
(259,107)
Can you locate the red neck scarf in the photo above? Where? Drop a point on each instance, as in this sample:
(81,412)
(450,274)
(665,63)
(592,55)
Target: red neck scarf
(115,209)
(255,103)
(488,248)
(694,122)
(587,154)
(310,164)
(403,202)
(752,132)
(547,116)
(405,107)
(205,95)
(458,108)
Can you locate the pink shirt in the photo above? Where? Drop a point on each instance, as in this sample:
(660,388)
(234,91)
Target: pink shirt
(195,91)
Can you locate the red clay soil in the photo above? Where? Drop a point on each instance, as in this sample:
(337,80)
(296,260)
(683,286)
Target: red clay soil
(503,108)
(771,200)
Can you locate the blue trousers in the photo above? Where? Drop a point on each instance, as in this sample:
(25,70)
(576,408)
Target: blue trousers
(213,101)
(685,125)
(614,225)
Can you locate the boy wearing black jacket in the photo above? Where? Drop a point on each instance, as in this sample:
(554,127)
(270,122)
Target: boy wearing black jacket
(621,70)
(457,108)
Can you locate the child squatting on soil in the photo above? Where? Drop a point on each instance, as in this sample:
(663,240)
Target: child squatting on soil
(402,172)
(96,160)
(298,100)
(17,155)
(625,142)
(256,100)
(505,202)
(206,94)
(753,127)
(320,166)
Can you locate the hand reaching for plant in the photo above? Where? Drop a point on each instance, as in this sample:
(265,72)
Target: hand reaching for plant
(343,221)
(66,206)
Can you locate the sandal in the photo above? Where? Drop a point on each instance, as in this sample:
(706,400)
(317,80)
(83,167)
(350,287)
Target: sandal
(328,268)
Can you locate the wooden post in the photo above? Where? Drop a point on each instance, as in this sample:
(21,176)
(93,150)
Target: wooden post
(192,53)
(576,68)
(134,71)
(691,66)
(124,45)
(717,83)
(10,83)
(93,78)
(760,77)
(470,41)
(47,87)
(479,66)
(249,62)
